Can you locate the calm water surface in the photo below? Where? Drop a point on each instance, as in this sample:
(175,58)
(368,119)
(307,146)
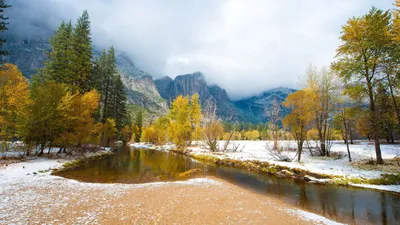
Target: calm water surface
(347,205)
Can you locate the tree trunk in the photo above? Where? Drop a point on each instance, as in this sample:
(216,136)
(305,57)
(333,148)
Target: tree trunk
(41,150)
(275,134)
(351,137)
(379,159)
(300,150)
(346,136)
(348,151)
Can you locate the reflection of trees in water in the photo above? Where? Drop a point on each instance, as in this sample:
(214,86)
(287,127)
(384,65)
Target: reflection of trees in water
(303,199)
(328,202)
(383,208)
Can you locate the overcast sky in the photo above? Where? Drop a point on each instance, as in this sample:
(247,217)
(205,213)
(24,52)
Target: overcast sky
(245,46)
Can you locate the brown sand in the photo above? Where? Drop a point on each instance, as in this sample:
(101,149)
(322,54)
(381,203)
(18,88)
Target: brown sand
(59,200)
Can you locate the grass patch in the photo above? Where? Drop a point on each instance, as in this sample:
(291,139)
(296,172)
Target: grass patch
(390,165)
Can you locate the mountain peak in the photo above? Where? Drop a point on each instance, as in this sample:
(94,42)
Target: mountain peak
(195,75)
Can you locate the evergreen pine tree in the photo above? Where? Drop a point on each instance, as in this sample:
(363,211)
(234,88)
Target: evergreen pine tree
(82,53)
(119,102)
(103,80)
(58,64)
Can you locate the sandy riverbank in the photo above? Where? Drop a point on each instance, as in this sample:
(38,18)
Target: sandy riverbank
(43,198)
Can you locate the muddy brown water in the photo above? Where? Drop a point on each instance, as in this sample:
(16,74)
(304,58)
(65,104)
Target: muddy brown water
(343,204)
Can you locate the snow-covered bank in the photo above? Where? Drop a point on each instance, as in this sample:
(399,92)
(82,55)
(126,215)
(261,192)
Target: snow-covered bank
(326,166)
(30,194)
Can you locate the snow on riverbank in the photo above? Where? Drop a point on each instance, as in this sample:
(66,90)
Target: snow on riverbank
(256,150)
(27,187)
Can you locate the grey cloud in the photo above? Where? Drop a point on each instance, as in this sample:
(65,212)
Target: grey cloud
(245,47)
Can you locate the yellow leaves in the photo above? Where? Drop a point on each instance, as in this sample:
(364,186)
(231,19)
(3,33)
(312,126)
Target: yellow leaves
(79,125)
(252,135)
(184,118)
(195,110)
(109,129)
(157,132)
(302,104)
(14,95)
(213,131)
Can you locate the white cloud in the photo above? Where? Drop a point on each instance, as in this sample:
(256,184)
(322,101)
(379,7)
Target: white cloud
(244,46)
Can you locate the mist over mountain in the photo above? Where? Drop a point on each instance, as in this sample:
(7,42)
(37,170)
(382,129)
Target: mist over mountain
(27,43)
(243,48)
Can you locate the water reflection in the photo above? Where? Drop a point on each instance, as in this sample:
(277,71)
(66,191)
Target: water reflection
(347,205)
(134,166)
(343,204)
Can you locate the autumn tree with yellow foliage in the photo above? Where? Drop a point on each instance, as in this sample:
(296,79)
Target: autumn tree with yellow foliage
(13,99)
(302,104)
(184,119)
(77,112)
(365,44)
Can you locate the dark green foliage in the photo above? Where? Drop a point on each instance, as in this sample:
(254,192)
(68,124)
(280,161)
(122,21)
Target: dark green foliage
(108,82)
(119,101)
(3,25)
(58,66)
(82,53)
(69,59)
(43,126)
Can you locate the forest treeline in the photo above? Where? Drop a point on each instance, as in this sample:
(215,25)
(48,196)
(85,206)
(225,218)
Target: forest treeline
(73,102)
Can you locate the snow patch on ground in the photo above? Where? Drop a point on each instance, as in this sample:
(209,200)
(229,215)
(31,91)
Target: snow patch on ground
(256,150)
(313,217)
(392,188)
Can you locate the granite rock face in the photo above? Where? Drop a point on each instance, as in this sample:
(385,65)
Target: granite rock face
(254,108)
(211,98)
(28,55)
(164,86)
(225,108)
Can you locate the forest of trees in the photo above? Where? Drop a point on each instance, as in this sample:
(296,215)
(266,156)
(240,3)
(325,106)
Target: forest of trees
(73,102)
(76,100)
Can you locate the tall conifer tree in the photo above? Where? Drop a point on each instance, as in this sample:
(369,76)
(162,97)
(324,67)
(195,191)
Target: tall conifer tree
(82,53)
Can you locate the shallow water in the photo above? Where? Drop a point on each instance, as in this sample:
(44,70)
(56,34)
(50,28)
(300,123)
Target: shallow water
(343,204)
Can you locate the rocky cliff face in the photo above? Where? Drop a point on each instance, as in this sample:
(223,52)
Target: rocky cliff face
(190,84)
(164,86)
(27,55)
(254,108)
(140,88)
(210,97)
(225,108)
